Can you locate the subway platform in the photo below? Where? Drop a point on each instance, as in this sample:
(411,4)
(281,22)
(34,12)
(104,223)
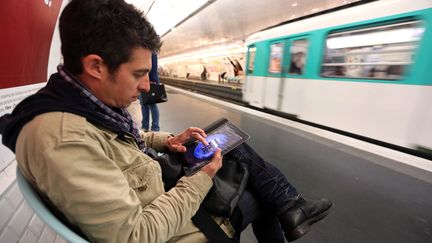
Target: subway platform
(379,195)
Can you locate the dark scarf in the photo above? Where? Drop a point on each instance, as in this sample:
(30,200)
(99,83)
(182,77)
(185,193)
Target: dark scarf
(65,93)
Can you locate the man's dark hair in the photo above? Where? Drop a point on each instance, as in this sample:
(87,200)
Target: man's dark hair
(108,28)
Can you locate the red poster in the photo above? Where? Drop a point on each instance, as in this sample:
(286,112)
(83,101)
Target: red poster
(26,28)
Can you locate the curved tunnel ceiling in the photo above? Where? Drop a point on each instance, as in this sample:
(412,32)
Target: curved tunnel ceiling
(227,21)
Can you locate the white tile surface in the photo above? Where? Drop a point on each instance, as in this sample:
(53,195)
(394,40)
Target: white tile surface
(14,196)
(18,223)
(59,239)
(29,237)
(21,218)
(6,156)
(9,236)
(48,236)
(5,182)
(6,213)
(36,225)
(11,170)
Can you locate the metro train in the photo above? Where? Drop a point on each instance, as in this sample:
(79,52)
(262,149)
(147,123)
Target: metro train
(365,70)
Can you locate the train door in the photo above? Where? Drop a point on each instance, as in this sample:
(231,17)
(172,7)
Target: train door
(293,85)
(273,79)
(253,83)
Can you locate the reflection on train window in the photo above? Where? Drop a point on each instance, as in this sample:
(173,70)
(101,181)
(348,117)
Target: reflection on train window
(381,52)
(275,62)
(251,51)
(298,52)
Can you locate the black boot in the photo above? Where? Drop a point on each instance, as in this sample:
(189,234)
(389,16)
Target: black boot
(296,220)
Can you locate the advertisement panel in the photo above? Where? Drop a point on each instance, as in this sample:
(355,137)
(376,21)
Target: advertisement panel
(27,28)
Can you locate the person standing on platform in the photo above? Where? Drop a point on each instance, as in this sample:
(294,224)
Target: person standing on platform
(151,108)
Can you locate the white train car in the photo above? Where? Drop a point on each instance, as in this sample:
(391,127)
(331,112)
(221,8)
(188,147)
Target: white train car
(364,70)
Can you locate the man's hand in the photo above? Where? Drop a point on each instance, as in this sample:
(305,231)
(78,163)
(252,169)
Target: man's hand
(216,163)
(175,144)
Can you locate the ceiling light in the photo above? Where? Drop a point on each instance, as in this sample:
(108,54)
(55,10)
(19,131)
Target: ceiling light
(164,15)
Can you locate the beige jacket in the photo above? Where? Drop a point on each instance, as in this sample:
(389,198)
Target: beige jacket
(106,186)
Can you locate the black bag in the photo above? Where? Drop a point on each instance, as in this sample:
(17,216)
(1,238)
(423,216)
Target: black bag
(157,94)
(228,184)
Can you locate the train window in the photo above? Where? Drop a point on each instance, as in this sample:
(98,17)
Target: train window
(298,52)
(276,53)
(380,52)
(251,51)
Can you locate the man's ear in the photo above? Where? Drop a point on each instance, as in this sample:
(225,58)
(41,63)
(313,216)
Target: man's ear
(93,66)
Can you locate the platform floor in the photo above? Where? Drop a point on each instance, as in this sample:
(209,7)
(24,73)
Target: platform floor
(374,202)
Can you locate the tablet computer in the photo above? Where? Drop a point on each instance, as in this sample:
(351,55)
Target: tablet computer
(221,134)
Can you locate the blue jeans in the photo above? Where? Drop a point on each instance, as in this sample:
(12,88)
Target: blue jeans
(146,110)
(267,194)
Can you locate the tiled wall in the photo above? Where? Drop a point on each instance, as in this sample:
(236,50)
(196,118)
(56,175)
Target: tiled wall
(18,222)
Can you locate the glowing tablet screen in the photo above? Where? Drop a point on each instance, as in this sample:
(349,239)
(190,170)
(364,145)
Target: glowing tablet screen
(222,134)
